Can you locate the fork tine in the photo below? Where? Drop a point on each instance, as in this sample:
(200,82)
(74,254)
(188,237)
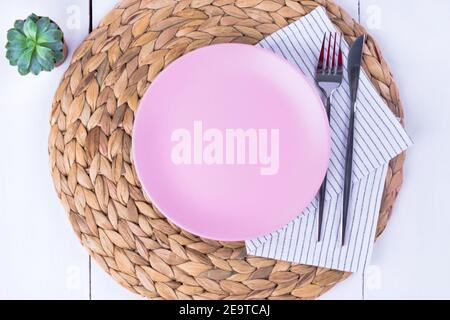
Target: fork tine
(328,54)
(322,55)
(334,53)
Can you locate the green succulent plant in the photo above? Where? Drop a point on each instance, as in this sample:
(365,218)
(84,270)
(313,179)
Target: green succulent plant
(34,44)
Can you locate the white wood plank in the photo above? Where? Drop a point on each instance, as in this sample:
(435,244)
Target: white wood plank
(411,261)
(41,256)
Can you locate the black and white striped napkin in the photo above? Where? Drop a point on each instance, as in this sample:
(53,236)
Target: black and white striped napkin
(379,137)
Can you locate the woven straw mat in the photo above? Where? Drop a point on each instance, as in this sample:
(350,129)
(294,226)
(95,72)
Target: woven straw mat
(90,139)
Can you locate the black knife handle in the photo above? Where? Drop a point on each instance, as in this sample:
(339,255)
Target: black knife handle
(348,174)
(323,187)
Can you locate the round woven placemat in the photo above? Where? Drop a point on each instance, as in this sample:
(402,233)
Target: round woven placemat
(90,139)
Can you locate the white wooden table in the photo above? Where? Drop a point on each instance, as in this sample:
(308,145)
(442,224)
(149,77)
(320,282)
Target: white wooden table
(40,257)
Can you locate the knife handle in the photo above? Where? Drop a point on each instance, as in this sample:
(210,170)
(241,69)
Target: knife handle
(323,187)
(348,174)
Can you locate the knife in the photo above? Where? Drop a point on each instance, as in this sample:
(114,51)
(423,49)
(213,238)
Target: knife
(354,68)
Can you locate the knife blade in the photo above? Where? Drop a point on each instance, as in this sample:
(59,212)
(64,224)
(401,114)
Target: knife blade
(354,70)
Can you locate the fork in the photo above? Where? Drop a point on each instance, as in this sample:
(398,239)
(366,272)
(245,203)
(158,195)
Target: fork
(329,75)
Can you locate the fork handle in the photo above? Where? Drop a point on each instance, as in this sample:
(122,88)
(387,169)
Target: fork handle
(348,174)
(323,187)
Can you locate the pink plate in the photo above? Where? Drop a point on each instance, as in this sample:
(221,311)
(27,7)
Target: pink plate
(231,142)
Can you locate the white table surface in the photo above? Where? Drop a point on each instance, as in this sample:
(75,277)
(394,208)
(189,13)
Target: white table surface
(41,258)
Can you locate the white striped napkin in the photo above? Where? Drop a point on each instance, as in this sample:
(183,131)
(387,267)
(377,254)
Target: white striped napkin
(379,137)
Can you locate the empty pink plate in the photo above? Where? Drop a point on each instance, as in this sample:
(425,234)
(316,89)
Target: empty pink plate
(231,142)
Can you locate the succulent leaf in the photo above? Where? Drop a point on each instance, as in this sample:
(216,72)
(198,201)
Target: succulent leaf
(14,34)
(35,67)
(17,44)
(13,56)
(42,25)
(45,57)
(55,46)
(33,17)
(30,29)
(24,61)
(18,24)
(59,56)
(50,36)
(23,71)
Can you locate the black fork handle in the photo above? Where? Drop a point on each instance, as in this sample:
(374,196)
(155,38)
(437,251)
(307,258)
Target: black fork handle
(323,187)
(348,174)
